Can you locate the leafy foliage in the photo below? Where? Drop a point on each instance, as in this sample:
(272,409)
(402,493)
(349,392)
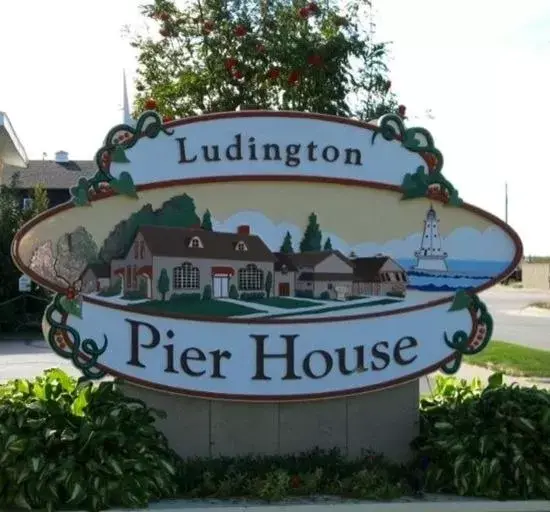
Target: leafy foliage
(178,211)
(213,56)
(311,241)
(489,441)
(78,445)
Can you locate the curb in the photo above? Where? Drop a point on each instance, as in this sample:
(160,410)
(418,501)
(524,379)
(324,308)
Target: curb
(420,506)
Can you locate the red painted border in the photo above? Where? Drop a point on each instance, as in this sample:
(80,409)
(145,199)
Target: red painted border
(263,178)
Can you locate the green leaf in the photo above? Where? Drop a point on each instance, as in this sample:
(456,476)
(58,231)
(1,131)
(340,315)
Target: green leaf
(119,156)
(525,425)
(71,306)
(461,301)
(78,494)
(21,500)
(495,380)
(124,185)
(81,401)
(443,426)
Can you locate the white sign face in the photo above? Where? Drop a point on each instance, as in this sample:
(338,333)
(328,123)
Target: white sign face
(267,256)
(25,283)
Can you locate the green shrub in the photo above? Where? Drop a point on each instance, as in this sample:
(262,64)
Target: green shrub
(491,442)
(306,294)
(207,292)
(65,444)
(233,293)
(395,293)
(325,295)
(115,288)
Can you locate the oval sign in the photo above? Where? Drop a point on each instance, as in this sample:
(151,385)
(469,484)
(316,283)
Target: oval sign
(266,256)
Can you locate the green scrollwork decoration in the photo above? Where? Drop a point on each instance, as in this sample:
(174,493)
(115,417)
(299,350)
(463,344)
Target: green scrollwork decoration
(118,140)
(84,354)
(463,343)
(427,180)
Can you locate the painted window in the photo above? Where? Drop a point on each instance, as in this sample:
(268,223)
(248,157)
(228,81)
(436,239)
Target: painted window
(241,246)
(136,250)
(196,243)
(142,250)
(186,277)
(251,278)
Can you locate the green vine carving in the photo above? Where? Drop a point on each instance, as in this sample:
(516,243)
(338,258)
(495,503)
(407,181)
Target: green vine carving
(118,140)
(84,354)
(418,185)
(419,140)
(462,342)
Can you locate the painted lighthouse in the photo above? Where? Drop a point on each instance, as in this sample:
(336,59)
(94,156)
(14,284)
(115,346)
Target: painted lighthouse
(431,257)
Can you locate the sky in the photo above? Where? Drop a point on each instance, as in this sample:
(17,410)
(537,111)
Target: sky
(481,67)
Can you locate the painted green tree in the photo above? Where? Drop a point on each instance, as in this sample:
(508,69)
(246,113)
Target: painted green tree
(178,211)
(286,247)
(206,223)
(311,240)
(163,284)
(328,245)
(268,284)
(212,56)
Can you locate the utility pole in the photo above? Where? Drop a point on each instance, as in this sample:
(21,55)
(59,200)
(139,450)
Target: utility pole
(506,202)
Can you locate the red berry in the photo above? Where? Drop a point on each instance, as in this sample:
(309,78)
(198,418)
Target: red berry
(238,74)
(71,294)
(164,16)
(208,26)
(167,119)
(304,13)
(274,73)
(315,60)
(230,63)
(150,104)
(295,481)
(260,48)
(164,32)
(402,110)
(240,31)
(313,7)
(293,77)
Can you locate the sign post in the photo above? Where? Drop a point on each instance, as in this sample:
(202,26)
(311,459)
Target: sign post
(272,258)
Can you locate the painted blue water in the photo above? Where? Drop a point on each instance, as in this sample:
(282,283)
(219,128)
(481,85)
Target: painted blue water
(461,274)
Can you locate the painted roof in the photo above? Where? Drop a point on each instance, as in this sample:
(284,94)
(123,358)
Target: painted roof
(99,269)
(326,276)
(174,242)
(284,259)
(313,258)
(49,173)
(369,268)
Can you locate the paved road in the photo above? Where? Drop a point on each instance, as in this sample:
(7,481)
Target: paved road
(506,305)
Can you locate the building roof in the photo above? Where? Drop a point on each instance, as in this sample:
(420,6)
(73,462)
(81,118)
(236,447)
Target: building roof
(283,259)
(12,151)
(174,242)
(368,268)
(49,173)
(326,276)
(313,258)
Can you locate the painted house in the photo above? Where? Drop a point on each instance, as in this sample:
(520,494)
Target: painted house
(379,275)
(284,284)
(194,258)
(96,277)
(323,272)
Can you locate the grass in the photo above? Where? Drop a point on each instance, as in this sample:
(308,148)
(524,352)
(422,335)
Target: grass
(515,360)
(330,309)
(196,307)
(286,303)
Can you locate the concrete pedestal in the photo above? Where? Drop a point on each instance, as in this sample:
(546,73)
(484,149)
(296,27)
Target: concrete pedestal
(383,421)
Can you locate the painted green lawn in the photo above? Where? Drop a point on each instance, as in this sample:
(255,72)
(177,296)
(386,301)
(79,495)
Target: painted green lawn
(511,359)
(329,309)
(197,307)
(286,303)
